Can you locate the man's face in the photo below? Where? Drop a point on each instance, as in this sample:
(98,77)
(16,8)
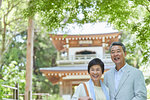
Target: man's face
(117,54)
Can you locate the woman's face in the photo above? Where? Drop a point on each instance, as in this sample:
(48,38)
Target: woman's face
(95,72)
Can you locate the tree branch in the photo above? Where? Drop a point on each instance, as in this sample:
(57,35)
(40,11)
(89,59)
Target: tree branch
(0,3)
(14,20)
(9,42)
(148,8)
(13,6)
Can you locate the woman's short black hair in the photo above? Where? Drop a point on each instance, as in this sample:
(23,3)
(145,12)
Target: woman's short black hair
(96,61)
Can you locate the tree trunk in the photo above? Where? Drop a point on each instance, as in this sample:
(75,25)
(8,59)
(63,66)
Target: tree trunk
(0,3)
(29,59)
(3,31)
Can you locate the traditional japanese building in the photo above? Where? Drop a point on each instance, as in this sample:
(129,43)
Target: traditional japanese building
(73,54)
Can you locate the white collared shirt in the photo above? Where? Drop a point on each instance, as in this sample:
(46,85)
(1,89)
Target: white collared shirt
(118,75)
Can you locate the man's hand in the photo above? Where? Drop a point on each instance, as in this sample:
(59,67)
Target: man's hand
(85,98)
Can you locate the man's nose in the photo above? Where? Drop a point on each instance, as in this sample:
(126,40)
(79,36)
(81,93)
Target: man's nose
(115,53)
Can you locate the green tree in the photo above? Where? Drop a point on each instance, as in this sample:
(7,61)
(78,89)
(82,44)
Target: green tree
(17,50)
(12,23)
(12,75)
(1,89)
(44,56)
(132,16)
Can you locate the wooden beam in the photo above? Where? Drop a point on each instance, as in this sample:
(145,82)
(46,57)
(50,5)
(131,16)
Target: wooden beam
(29,59)
(59,41)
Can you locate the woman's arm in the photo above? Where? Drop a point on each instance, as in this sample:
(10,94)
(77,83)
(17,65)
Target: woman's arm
(85,98)
(80,93)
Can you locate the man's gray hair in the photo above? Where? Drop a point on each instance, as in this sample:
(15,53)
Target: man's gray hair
(118,43)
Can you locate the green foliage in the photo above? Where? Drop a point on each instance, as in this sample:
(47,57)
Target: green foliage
(130,16)
(42,85)
(126,15)
(11,24)
(12,76)
(44,56)
(50,97)
(11,72)
(11,12)
(44,51)
(55,14)
(17,51)
(148,92)
(54,97)
(1,89)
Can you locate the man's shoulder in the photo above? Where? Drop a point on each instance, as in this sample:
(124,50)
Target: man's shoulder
(109,71)
(134,69)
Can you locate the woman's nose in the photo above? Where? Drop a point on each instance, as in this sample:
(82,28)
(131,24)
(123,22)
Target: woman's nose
(94,72)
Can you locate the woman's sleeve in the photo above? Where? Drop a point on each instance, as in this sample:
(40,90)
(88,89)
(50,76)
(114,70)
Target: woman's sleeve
(79,92)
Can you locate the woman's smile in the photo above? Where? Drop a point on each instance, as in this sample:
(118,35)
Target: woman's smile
(95,76)
(95,73)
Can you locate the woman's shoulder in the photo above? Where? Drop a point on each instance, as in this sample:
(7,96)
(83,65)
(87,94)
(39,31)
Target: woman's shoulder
(79,92)
(104,85)
(81,86)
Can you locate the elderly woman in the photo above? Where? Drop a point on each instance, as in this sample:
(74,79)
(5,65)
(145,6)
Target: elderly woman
(95,87)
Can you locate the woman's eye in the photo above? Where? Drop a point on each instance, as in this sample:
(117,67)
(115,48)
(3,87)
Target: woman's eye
(92,69)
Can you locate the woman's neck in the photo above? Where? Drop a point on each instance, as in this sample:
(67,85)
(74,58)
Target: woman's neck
(96,83)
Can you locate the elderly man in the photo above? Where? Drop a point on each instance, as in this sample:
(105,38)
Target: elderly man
(124,81)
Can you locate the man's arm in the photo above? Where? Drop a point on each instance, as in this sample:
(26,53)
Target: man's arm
(139,87)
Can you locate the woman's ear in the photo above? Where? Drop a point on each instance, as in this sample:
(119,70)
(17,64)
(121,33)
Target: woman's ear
(125,53)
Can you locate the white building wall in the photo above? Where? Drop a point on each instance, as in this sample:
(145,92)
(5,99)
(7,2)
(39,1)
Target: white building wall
(98,50)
